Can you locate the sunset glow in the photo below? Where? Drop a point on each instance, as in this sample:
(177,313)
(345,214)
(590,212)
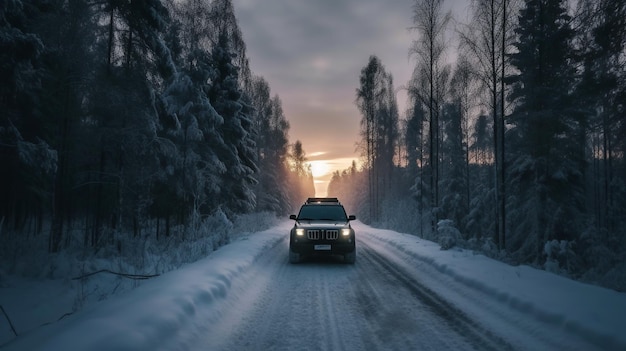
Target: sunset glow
(323,170)
(319,168)
(317,78)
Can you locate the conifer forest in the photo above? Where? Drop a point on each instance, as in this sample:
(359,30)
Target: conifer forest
(124,121)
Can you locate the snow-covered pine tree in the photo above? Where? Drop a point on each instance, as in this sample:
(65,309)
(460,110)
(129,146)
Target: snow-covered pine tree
(195,170)
(546,174)
(188,182)
(69,32)
(276,153)
(602,96)
(224,22)
(236,147)
(455,164)
(21,51)
(135,64)
(481,219)
(379,130)
(272,148)
(453,192)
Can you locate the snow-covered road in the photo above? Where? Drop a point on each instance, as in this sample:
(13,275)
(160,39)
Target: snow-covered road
(403,293)
(387,301)
(323,304)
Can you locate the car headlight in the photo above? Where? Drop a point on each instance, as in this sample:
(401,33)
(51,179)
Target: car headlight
(299,231)
(345,231)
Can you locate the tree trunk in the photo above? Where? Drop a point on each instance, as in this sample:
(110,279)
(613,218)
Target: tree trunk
(59,191)
(502,173)
(95,237)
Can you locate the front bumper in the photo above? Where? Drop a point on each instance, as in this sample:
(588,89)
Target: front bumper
(304,246)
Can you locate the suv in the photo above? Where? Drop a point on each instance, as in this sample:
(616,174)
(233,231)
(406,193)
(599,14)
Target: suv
(322,227)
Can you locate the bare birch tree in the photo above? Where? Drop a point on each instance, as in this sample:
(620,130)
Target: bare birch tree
(486,40)
(430,24)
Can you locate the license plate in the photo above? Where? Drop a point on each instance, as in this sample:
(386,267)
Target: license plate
(322,247)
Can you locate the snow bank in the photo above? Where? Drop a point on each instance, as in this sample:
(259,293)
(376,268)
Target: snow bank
(595,313)
(156,314)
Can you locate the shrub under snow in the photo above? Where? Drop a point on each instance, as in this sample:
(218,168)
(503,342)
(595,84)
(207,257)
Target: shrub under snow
(447,234)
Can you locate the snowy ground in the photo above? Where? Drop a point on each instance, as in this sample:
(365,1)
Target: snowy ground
(402,293)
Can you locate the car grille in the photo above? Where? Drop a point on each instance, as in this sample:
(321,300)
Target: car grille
(319,234)
(332,234)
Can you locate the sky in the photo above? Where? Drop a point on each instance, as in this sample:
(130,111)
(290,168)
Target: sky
(311,53)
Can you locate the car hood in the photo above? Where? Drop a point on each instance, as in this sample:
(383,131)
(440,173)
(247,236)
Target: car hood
(321,224)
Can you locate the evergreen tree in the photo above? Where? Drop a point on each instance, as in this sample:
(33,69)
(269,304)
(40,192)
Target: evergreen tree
(272,148)
(348,186)
(237,150)
(68,63)
(604,92)
(601,94)
(195,170)
(379,130)
(453,201)
(481,214)
(455,156)
(224,22)
(546,169)
(21,50)
(301,179)
(123,105)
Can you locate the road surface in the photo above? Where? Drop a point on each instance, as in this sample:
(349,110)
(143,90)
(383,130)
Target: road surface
(387,300)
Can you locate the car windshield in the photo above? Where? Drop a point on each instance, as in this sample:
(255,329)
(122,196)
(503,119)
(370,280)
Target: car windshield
(322,212)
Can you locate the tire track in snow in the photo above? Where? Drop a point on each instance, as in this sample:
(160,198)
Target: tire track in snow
(377,304)
(335,342)
(522,329)
(456,319)
(294,307)
(323,304)
(390,321)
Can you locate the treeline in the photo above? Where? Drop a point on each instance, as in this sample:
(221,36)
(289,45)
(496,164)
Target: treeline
(117,115)
(520,143)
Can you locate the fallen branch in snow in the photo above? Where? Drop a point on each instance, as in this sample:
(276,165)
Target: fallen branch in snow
(63,316)
(13,328)
(8,320)
(125,275)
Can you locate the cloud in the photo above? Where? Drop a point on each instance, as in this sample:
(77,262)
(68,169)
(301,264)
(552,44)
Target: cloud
(312,52)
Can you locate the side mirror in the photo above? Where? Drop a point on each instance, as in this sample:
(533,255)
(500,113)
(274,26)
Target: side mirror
(292,216)
(351,217)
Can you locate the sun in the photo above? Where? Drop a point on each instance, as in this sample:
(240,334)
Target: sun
(319,168)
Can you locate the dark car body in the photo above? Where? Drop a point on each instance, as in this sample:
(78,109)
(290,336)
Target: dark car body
(322,228)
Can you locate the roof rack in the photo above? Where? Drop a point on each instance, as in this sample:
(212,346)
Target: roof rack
(322,199)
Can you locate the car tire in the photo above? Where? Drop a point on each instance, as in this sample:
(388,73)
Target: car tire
(350,258)
(294,257)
